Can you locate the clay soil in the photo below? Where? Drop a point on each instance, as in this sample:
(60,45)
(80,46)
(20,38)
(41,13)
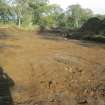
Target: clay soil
(52,71)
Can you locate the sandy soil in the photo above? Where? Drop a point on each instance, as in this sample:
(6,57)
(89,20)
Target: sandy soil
(53,71)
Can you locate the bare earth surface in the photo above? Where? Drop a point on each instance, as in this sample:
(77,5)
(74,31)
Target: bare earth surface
(49,71)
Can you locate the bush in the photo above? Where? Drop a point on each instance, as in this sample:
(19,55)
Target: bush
(92,25)
(97,38)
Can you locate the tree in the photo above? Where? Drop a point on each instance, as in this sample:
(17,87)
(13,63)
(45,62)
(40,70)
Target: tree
(5,11)
(85,15)
(43,14)
(62,20)
(21,10)
(38,8)
(78,15)
(75,12)
(52,14)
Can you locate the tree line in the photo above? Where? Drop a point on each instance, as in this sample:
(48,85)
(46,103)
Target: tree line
(29,13)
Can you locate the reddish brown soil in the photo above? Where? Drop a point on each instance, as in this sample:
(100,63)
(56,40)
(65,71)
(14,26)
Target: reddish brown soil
(53,71)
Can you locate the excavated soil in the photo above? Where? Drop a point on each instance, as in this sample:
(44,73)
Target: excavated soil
(49,71)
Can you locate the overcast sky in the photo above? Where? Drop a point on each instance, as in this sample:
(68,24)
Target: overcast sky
(98,6)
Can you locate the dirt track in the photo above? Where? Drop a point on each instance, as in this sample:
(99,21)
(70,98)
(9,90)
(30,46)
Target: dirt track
(49,71)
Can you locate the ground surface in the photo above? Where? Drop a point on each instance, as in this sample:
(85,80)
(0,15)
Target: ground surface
(50,71)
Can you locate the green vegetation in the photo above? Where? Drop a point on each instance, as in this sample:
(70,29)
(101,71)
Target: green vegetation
(35,14)
(29,13)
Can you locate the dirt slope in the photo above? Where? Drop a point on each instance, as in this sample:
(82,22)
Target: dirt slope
(53,72)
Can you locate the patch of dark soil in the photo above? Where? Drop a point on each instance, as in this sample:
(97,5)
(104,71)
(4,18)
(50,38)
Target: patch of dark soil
(91,95)
(90,44)
(8,46)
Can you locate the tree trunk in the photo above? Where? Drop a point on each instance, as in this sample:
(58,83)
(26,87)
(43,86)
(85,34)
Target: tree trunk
(19,22)
(76,23)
